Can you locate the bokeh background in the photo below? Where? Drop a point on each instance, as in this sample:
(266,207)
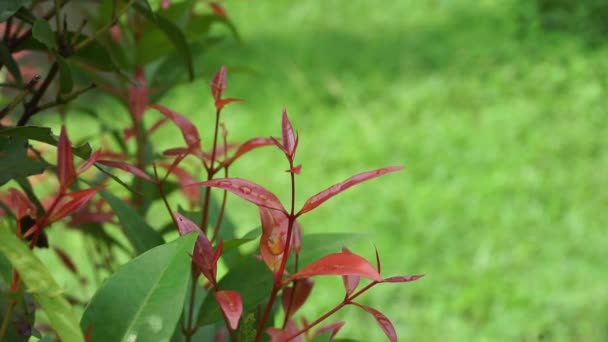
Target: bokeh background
(497,110)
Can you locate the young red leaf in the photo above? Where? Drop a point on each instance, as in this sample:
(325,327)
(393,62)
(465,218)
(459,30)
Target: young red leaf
(232,306)
(66,260)
(79,198)
(138,96)
(218,83)
(189,131)
(290,142)
(402,279)
(220,103)
(334,328)
(20,204)
(127,167)
(247,190)
(382,320)
(92,160)
(335,189)
(65,163)
(295,296)
(203,256)
(176,151)
(282,335)
(378,264)
(350,282)
(273,261)
(218,9)
(344,264)
(248,146)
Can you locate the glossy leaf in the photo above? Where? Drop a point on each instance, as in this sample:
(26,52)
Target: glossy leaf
(126,167)
(344,264)
(138,231)
(203,254)
(65,163)
(335,189)
(402,279)
(232,306)
(295,295)
(247,146)
(350,282)
(250,278)
(247,190)
(15,162)
(42,32)
(383,321)
(189,131)
(143,300)
(218,83)
(290,141)
(41,285)
(43,134)
(79,198)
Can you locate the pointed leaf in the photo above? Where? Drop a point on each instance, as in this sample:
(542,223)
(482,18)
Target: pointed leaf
(295,296)
(42,32)
(65,163)
(43,134)
(334,328)
(92,160)
(219,104)
(126,167)
(15,162)
(189,131)
(403,279)
(41,285)
(9,61)
(248,146)
(79,198)
(218,83)
(382,320)
(143,300)
(66,83)
(350,282)
(335,189)
(232,306)
(138,231)
(339,264)
(203,254)
(289,138)
(247,190)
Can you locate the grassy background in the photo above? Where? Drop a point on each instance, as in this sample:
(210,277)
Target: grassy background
(500,126)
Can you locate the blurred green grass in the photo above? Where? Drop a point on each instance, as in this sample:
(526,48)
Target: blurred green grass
(502,132)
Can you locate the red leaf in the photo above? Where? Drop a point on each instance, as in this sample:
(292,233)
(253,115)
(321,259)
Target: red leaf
(334,328)
(218,9)
(335,189)
(79,198)
(66,260)
(92,160)
(273,261)
(295,170)
(402,279)
(189,131)
(248,146)
(344,264)
(218,84)
(378,264)
(382,320)
(138,96)
(290,142)
(220,103)
(293,300)
(65,163)
(203,255)
(247,190)
(282,335)
(127,167)
(232,306)
(176,151)
(20,204)
(184,178)
(350,282)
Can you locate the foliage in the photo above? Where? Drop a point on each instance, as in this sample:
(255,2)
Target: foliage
(129,51)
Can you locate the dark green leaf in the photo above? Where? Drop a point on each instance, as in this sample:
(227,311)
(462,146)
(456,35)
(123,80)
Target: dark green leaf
(247,328)
(43,33)
(7,59)
(248,237)
(9,7)
(138,231)
(65,75)
(43,134)
(15,162)
(143,300)
(251,278)
(41,284)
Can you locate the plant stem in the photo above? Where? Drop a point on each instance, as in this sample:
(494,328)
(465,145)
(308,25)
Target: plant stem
(104,28)
(31,107)
(210,173)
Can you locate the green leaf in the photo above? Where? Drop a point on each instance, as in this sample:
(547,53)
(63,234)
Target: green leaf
(143,300)
(43,134)
(325,337)
(248,237)
(7,59)
(251,278)
(65,75)
(22,317)
(315,246)
(138,231)
(174,34)
(9,7)
(15,163)
(43,33)
(41,284)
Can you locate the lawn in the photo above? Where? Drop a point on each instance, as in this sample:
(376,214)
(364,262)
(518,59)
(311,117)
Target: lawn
(502,203)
